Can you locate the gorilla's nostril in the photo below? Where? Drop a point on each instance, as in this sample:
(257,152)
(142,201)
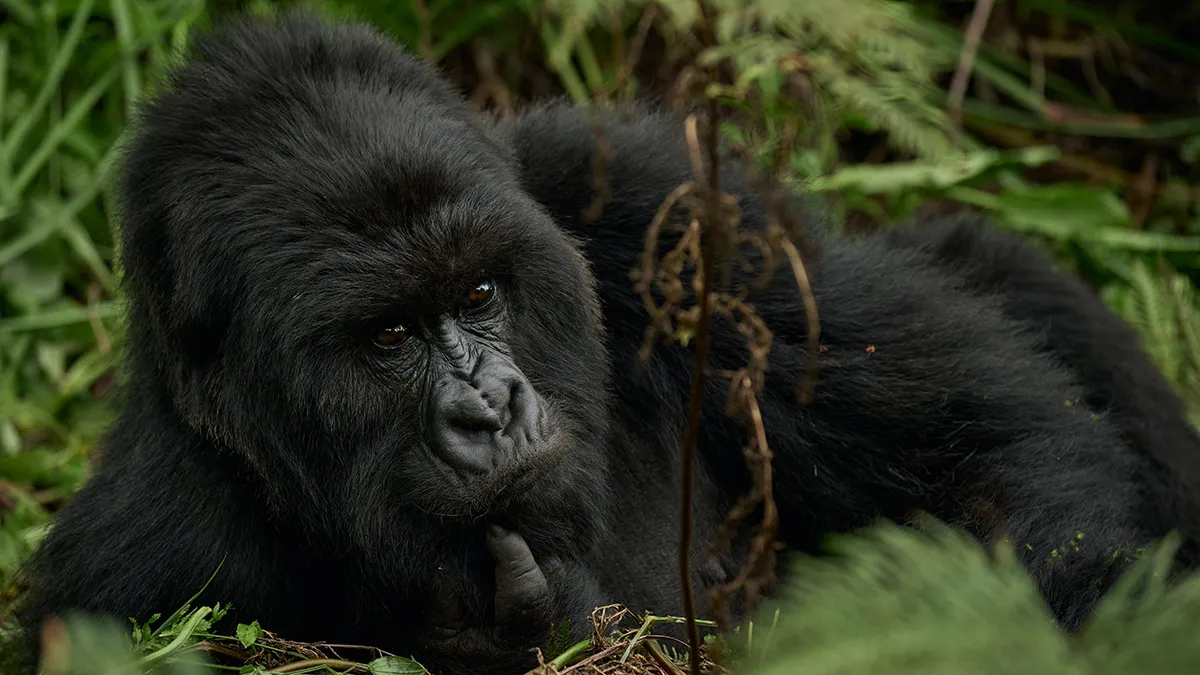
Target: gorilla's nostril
(469,411)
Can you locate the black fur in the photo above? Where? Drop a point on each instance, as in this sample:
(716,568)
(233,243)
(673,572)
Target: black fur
(295,180)
(1074,326)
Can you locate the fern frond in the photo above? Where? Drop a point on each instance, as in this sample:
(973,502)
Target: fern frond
(1164,308)
(867,57)
(888,103)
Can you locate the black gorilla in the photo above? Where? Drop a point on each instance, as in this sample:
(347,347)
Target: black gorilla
(382,368)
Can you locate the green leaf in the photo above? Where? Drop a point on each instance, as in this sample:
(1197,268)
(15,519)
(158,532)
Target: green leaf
(1078,212)
(54,138)
(36,467)
(902,176)
(396,665)
(1064,209)
(249,634)
(48,226)
(85,371)
(10,438)
(58,318)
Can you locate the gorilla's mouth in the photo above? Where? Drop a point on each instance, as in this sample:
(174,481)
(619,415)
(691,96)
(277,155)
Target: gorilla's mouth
(522,463)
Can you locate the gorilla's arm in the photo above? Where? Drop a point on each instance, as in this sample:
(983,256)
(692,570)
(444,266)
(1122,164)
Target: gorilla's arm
(928,398)
(162,513)
(1081,331)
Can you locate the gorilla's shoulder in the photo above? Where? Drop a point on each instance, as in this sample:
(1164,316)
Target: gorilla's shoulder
(555,124)
(637,151)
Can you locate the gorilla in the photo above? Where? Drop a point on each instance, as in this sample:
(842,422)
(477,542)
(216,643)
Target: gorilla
(384,376)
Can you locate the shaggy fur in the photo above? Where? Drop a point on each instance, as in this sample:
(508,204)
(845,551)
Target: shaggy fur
(297,180)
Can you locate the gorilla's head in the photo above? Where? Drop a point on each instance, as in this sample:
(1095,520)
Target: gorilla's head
(334,273)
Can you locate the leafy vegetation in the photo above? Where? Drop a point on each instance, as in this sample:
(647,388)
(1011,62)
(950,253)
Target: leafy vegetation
(1078,129)
(898,601)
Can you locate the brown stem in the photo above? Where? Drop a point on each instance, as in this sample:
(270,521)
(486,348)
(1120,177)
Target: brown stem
(699,379)
(312,663)
(814,322)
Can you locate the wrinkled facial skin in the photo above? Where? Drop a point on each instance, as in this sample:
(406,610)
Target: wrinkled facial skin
(483,427)
(341,281)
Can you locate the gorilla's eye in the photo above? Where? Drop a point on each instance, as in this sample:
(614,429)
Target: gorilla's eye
(480,295)
(391,336)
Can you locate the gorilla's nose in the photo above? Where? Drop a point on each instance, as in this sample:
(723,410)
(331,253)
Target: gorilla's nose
(466,417)
(468,411)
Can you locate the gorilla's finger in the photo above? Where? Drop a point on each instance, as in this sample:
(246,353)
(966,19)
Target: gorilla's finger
(444,612)
(522,594)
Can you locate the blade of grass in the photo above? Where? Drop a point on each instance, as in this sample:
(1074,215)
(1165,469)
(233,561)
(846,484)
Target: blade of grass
(130,77)
(996,63)
(70,121)
(54,170)
(48,227)
(85,371)
(58,318)
(85,248)
(1160,130)
(180,640)
(985,69)
(6,191)
(170,620)
(21,9)
(17,350)
(589,64)
(53,78)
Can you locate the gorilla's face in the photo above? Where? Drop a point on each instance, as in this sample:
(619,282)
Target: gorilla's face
(432,337)
(344,282)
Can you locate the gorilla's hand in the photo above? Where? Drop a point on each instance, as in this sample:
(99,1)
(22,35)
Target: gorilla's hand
(524,610)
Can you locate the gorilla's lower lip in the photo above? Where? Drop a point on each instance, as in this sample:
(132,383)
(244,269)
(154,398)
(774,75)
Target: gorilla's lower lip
(509,481)
(496,453)
(475,455)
